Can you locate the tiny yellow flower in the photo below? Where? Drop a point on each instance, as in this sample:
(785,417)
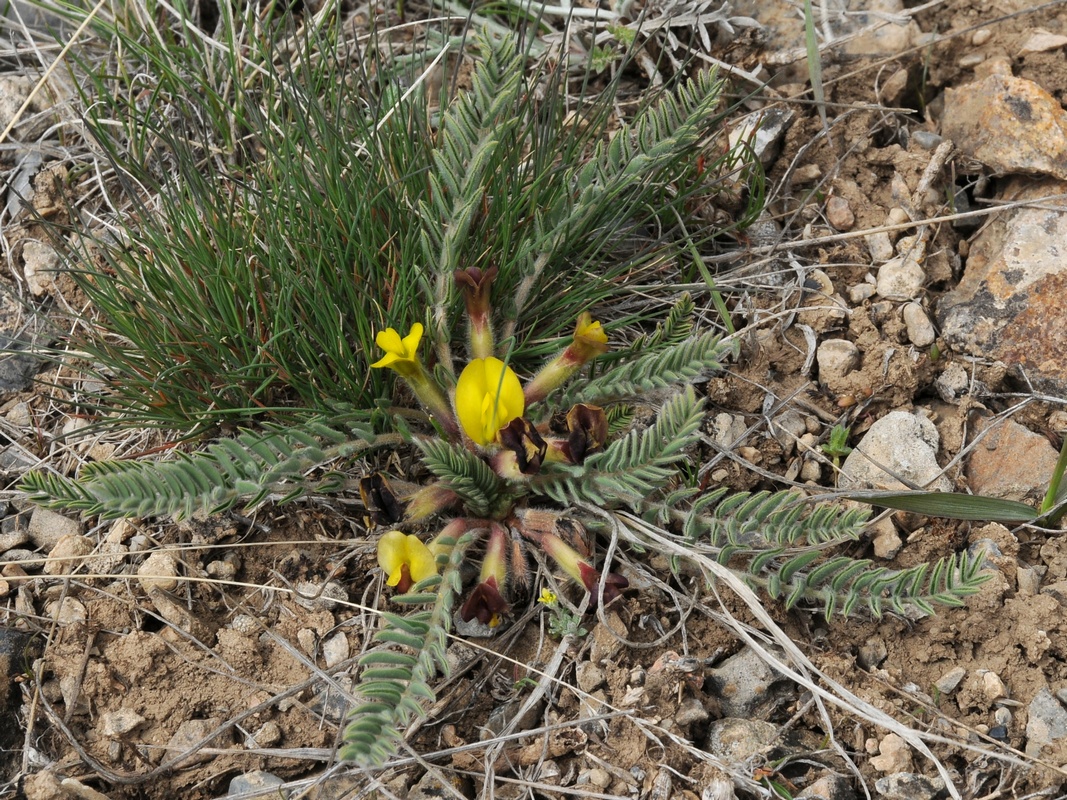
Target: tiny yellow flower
(488,397)
(591,333)
(400,354)
(548,597)
(405,559)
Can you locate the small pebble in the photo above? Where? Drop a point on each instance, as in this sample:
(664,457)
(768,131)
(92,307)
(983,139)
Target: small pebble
(948,682)
(909,786)
(981,36)
(13,539)
(266,735)
(993,687)
(887,543)
(690,712)
(839,214)
(971,60)
(860,292)
(880,246)
(245,624)
(159,571)
(836,358)
(312,596)
(872,653)
(19,415)
(920,329)
(1043,41)
(894,755)
(894,86)
(68,554)
(897,216)
(67,612)
(1002,716)
(114,724)
(589,676)
(47,528)
(335,650)
(953,382)
(811,471)
(927,140)
(809,173)
(1027,581)
(901,278)
(598,777)
(256,781)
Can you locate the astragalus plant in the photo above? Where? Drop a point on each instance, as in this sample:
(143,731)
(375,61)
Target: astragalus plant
(524,441)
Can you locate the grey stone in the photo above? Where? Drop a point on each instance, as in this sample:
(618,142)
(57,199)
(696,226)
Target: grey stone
(762,131)
(787,428)
(313,596)
(690,712)
(880,246)
(47,528)
(67,611)
(860,292)
(908,786)
(872,653)
(256,783)
(899,444)
(40,263)
(13,538)
(266,735)
(335,649)
(735,739)
(1046,723)
(920,329)
(746,685)
(948,682)
(727,430)
(952,383)
(115,724)
(589,676)
(27,559)
(19,415)
(190,738)
(926,140)
(17,367)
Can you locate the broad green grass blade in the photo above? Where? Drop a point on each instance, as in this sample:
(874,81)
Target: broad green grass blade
(952,505)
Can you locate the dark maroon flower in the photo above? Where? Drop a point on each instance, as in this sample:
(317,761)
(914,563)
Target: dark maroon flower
(484,603)
(614,584)
(521,438)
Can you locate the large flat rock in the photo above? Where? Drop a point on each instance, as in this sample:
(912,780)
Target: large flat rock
(1010,305)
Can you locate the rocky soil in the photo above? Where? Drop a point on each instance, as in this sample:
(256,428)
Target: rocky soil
(906,281)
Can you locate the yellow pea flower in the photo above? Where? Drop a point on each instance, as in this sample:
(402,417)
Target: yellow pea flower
(548,597)
(488,397)
(590,340)
(405,559)
(400,354)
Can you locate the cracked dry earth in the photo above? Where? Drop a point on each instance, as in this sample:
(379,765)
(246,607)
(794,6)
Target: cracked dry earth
(178,688)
